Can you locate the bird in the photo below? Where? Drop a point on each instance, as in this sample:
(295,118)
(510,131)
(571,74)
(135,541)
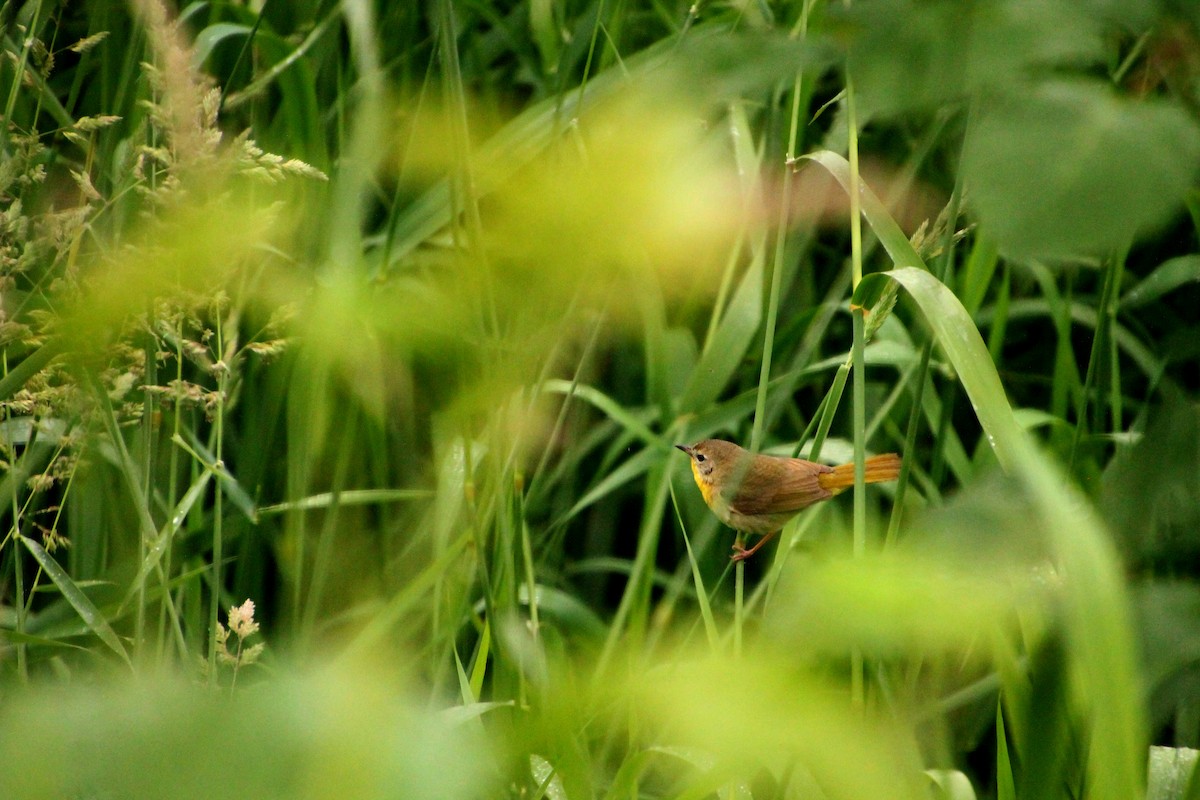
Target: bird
(759,493)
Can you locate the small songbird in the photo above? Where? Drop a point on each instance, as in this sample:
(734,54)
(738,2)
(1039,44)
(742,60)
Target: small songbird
(758,494)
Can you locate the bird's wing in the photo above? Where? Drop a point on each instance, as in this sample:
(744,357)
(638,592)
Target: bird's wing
(780,485)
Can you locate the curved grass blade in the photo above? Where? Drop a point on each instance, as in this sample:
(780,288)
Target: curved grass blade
(1166,277)
(606,404)
(1096,614)
(74,595)
(964,347)
(874,212)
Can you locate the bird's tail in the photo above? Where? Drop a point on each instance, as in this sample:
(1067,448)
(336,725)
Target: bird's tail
(885,467)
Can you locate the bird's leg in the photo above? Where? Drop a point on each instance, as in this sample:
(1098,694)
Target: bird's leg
(741,554)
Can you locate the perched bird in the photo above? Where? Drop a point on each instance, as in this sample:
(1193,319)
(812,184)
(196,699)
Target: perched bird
(758,494)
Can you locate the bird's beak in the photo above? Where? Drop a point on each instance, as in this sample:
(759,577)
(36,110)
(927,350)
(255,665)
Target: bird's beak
(685,449)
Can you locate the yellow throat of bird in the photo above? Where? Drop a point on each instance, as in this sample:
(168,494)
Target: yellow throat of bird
(706,488)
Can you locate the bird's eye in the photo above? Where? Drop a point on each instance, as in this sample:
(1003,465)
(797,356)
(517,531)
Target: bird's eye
(700,457)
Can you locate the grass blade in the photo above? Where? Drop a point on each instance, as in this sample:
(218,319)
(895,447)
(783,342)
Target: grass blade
(74,595)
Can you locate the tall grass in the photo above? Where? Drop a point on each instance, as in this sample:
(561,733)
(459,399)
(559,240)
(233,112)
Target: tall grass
(386,316)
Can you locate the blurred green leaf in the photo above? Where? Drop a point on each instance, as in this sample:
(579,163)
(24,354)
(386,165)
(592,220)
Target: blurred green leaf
(1096,616)
(906,54)
(762,711)
(606,404)
(1168,617)
(328,735)
(1070,168)
(730,342)
(931,605)
(1148,491)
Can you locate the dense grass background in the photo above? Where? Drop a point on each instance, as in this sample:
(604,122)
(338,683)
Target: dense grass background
(385,317)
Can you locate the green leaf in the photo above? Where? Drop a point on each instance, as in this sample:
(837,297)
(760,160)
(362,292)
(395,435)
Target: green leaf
(907,54)
(229,484)
(154,552)
(710,624)
(16,637)
(350,497)
(897,245)
(75,596)
(951,784)
(1097,624)
(604,403)
(1070,168)
(1005,785)
(959,339)
(1166,277)
(1169,771)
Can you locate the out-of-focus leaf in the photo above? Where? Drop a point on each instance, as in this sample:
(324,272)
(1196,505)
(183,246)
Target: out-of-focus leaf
(1097,625)
(1149,491)
(604,403)
(930,604)
(761,711)
(564,609)
(731,339)
(1168,614)
(906,54)
(1071,168)
(331,735)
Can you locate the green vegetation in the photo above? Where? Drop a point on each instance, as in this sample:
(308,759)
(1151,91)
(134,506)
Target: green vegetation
(345,346)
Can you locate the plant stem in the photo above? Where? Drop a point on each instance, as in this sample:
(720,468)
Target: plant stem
(859,392)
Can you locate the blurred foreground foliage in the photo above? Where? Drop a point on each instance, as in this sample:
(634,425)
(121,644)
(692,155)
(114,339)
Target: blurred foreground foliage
(386,316)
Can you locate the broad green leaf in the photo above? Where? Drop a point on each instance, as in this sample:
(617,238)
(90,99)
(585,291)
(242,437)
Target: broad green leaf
(324,735)
(907,54)
(1071,168)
